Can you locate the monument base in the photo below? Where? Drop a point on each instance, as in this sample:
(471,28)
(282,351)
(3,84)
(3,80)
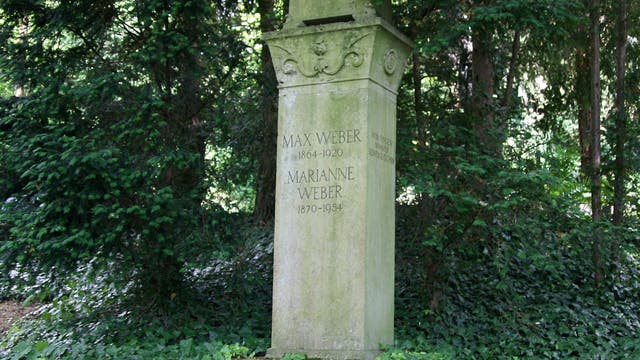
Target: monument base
(325,354)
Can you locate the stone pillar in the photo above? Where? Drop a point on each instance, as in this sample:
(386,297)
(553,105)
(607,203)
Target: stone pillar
(339,65)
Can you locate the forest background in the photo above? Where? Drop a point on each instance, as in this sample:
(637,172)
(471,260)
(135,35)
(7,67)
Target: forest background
(137,175)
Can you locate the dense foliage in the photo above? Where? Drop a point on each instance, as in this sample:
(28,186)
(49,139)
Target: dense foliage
(105,150)
(136,179)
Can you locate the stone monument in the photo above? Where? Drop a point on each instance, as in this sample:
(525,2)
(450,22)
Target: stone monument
(339,65)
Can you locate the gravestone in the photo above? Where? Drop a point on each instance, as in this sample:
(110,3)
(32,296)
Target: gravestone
(339,65)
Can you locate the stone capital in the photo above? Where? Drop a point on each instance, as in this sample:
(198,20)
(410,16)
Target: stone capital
(340,52)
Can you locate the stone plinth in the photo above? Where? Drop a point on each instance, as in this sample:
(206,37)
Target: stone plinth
(334,233)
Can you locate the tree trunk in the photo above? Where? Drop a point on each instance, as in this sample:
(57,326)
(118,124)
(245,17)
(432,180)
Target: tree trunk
(596,187)
(511,76)
(264,210)
(583,102)
(621,115)
(482,103)
(464,82)
(19,90)
(416,76)
(184,132)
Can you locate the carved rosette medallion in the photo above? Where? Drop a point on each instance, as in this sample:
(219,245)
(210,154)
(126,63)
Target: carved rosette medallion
(390,61)
(322,57)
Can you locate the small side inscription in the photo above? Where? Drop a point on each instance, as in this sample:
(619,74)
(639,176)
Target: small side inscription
(381,147)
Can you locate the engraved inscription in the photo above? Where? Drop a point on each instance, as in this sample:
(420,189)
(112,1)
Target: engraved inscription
(320,192)
(320,175)
(333,137)
(318,154)
(381,148)
(321,189)
(313,176)
(327,208)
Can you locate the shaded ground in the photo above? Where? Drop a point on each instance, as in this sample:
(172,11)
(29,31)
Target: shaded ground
(10,312)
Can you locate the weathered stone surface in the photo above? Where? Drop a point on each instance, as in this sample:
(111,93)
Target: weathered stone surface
(334,231)
(314,12)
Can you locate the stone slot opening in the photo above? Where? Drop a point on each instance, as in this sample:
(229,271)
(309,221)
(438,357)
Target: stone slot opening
(329,20)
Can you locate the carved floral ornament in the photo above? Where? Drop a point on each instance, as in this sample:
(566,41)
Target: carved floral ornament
(390,61)
(317,63)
